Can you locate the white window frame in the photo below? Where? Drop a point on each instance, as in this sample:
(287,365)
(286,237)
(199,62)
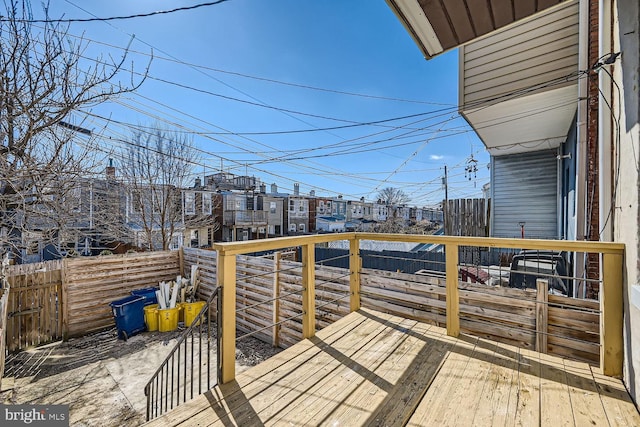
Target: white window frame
(189,203)
(206,203)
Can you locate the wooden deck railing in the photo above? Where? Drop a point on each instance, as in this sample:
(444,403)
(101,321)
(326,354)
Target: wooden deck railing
(611,306)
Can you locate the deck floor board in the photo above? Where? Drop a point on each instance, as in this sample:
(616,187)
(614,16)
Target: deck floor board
(373,369)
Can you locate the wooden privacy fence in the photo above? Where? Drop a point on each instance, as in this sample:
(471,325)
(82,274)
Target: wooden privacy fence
(72,297)
(466,217)
(525,318)
(55,299)
(269,294)
(269,297)
(206,261)
(33,304)
(269,291)
(90,284)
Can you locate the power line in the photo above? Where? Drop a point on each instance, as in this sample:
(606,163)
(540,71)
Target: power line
(259,78)
(202,72)
(114,18)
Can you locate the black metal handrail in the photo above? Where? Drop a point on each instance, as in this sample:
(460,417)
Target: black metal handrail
(173,382)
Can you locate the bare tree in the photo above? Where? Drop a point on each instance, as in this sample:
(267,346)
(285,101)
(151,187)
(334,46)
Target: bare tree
(155,168)
(44,79)
(393,196)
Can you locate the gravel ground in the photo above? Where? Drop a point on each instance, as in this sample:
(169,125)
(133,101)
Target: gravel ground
(62,357)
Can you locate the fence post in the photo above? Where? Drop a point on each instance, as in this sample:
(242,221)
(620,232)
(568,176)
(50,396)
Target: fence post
(227,281)
(542,314)
(453,295)
(4,302)
(355,264)
(64,300)
(276,299)
(611,309)
(308,291)
(181,261)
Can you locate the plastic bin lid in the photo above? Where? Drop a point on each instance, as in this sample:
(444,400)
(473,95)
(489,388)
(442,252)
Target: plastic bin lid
(126,300)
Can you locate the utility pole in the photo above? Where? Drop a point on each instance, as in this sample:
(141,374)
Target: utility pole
(446,200)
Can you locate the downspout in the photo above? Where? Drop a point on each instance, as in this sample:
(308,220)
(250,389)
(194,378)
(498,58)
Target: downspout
(559,177)
(605,218)
(580,207)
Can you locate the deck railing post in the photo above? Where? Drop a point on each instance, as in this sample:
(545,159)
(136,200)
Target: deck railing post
(355,265)
(453,295)
(611,316)
(227,281)
(276,300)
(308,291)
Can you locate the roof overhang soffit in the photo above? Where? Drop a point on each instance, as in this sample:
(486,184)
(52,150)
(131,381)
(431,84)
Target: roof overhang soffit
(440,25)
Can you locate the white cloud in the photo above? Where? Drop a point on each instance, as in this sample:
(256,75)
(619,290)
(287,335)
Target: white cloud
(436,157)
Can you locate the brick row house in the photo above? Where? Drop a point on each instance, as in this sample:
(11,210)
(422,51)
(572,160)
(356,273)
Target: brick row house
(110,215)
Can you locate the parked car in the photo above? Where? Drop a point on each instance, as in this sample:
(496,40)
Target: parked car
(530,265)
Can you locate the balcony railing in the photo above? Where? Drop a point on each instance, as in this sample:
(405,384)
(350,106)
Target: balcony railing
(250,218)
(609,309)
(187,370)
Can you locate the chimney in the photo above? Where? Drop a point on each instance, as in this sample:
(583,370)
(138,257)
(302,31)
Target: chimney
(312,193)
(198,183)
(274,188)
(263,188)
(362,199)
(296,189)
(110,171)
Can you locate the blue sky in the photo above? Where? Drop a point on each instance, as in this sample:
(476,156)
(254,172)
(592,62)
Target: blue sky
(236,71)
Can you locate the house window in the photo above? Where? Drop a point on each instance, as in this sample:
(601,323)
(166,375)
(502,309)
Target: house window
(301,227)
(206,203)
(301,205)
(292,206)
(176,242)
(272,207)
(292,227)
(76,199)
(321,206)
(135,203)
(158,200)
(190,203)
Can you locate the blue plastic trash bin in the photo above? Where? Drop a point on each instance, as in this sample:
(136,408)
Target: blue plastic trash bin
(149,295)
(129,315)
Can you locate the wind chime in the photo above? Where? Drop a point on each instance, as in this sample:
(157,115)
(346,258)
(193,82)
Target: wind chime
(471,170)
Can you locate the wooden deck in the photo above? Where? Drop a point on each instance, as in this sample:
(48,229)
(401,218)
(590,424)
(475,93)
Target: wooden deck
(371,368)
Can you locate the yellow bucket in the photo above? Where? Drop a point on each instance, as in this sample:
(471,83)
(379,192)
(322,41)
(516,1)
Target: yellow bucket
(191,310)
(151,317)
(180,307)
(168,319)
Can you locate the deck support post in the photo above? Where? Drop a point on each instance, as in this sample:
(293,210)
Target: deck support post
(453,295)
(355,265)
(308,291)
(227,281)
(611,315)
